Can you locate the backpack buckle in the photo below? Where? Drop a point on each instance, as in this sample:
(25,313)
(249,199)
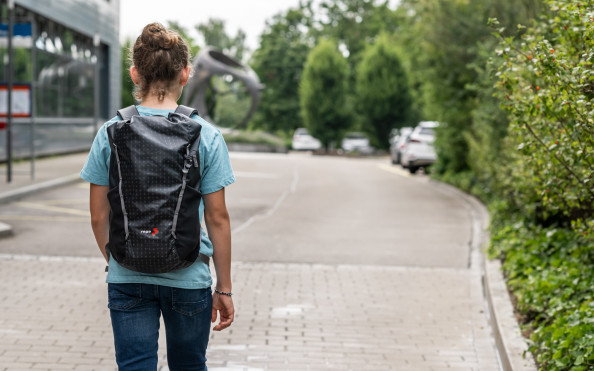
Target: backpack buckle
(187,165)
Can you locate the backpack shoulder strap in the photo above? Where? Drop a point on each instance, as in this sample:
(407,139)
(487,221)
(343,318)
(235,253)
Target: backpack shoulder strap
(185,110)
(128,112)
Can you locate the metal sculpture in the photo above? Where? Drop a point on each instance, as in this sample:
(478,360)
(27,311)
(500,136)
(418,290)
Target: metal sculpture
(211,62)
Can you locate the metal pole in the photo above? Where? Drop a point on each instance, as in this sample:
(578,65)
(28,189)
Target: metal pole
(33,85)
(96,81)
(9,93)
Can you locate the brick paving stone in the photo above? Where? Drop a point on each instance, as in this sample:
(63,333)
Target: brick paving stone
(289,317)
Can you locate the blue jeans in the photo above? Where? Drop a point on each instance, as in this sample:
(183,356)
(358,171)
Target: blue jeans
(135,311)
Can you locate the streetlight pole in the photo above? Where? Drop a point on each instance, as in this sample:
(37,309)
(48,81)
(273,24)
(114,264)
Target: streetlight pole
(9,93)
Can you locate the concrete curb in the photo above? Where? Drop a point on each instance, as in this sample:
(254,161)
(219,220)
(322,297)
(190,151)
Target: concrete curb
(21,192)
(511,345)
(5,230)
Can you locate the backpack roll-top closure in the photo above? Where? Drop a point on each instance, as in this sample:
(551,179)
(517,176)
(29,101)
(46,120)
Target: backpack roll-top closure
(154,192)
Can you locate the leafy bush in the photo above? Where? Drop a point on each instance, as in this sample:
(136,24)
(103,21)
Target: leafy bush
(547,83)
(543,227)
(253,137)
(551,273)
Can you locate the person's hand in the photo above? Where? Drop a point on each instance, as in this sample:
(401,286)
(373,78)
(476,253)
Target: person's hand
(223,304)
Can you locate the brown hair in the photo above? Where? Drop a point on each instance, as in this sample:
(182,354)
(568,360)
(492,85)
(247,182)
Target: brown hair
(158,55)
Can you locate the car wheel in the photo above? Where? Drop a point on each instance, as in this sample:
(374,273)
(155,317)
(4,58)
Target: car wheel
(413,169)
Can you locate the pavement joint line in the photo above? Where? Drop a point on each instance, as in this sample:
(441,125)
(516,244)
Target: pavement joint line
(239,264)
(48,218)
(50,258)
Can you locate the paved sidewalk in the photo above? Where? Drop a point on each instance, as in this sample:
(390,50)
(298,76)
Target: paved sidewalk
(52,171)
(53,316)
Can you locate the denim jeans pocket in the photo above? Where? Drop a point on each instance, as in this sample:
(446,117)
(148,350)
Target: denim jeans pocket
(190,302)
(123,296)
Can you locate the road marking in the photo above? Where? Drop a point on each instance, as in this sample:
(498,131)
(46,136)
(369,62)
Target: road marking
(37,218)
(394,170)
(272,210)
(32,205)
(64,201)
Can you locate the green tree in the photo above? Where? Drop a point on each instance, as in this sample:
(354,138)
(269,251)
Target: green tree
(444,36)
(185,34)
(127,84)
(444,43)
(215,34)
(323,93)
(486,150)
(353,23)
(279,62)
(382,91)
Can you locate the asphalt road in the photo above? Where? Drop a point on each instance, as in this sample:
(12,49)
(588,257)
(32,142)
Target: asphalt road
(288,208)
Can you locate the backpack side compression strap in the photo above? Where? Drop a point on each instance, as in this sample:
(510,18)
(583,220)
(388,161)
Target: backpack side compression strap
(128,112)
(184,110)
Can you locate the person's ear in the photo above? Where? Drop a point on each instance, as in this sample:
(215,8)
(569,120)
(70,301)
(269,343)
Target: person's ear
(134,75)
(184,76)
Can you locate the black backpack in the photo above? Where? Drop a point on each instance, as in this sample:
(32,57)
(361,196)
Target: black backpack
(154,181)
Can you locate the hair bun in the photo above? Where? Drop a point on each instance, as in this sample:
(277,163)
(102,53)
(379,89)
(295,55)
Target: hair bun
(155,36)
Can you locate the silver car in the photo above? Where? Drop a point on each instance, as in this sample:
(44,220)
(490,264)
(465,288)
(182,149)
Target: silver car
(398,142)
(419,151)
(303,141)
(356,141)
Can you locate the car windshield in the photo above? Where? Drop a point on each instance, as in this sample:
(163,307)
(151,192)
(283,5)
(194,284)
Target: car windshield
(355,136)
(301,131)
(426,131)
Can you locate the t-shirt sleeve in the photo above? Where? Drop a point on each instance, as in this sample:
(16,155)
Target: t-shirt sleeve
(217,172)
(96,168)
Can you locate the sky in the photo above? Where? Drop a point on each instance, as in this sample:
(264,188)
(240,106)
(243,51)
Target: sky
(250,16)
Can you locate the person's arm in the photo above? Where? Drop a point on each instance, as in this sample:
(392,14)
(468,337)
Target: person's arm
(99,206)
(217,222)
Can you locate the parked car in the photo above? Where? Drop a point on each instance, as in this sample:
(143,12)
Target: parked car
(303,141)
(419,151)
(356,141)
(398,142)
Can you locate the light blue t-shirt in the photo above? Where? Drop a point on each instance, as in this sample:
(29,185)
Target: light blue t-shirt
(216,172)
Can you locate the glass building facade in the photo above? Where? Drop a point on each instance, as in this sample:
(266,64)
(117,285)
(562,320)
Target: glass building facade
(66,73)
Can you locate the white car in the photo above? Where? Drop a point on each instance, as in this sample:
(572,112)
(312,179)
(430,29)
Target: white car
(419,151)
(398,142)
(303,141)
(356,142)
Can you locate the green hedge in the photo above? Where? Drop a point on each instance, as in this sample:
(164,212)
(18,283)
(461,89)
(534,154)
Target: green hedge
(551,275)
(543,224)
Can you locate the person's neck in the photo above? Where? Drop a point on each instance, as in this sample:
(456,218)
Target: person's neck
(154,102)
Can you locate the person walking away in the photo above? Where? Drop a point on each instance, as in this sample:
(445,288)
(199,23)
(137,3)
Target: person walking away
(139,294)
